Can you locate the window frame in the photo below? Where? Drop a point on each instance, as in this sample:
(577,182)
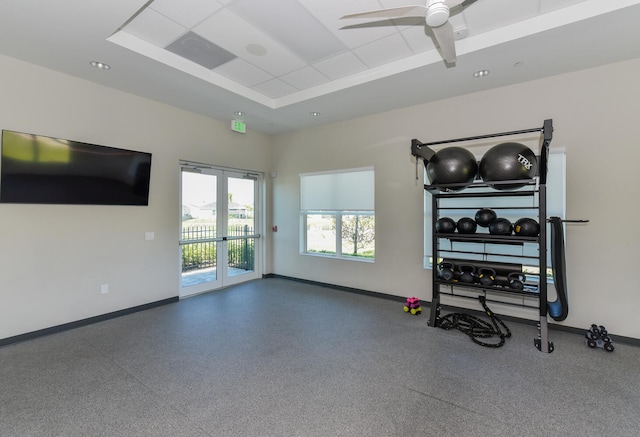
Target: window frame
(338,216)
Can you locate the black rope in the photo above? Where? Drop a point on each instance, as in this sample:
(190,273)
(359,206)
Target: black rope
(477,328)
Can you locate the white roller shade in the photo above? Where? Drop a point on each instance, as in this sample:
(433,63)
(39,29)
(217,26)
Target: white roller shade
(344,190)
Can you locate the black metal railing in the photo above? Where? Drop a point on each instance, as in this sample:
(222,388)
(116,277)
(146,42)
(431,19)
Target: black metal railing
(201,254)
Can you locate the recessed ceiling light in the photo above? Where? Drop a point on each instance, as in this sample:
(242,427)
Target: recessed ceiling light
(481,73)
(314,114)
(239,113)
(100,65)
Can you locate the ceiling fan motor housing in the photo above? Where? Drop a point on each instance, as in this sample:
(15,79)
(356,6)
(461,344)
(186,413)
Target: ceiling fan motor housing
(437,14)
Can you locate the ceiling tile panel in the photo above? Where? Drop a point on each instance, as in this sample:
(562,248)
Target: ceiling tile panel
(419,39)
(292,25)
(243,72)
(484,16)
(274,88)
(383,51)
(154,28)
(304,78)
(340,65)
(234,34)
(400,3)
(329,13)
(186,12)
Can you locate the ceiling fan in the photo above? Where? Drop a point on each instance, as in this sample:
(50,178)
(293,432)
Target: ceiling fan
(436,14)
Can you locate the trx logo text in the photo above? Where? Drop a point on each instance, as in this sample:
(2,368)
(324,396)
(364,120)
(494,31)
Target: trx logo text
(525,162)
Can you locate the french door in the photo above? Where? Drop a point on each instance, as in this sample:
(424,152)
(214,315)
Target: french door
(219,233)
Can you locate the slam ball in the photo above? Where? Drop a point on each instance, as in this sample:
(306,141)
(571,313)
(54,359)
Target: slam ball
(526,227)
(467,225)
(452,165)
(485,216)
(445,225)
(508,162)
(500,226)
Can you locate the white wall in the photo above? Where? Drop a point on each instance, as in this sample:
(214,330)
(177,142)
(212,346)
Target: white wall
(595,114)
(54,258)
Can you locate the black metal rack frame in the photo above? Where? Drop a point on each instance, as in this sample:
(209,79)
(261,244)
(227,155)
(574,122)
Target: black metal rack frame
(535,187)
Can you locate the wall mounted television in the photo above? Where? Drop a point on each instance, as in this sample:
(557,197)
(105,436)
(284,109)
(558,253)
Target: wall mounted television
(46,170)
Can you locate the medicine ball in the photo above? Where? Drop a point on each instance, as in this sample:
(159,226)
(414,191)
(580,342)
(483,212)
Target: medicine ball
(452,165)
(445,225)
(467,225)
(500,226)
(526,227)
(507,162)
(485,216)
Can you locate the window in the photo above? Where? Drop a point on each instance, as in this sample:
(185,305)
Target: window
(337,213)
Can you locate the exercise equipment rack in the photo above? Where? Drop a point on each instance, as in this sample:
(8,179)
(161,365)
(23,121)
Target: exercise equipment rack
(530,199)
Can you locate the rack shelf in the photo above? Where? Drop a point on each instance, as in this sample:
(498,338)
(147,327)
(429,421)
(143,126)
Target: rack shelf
(528,291)
(488,238)
(529,184)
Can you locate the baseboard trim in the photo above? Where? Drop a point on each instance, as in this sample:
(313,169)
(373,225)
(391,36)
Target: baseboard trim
(552,326)
(339,287)
(84,322)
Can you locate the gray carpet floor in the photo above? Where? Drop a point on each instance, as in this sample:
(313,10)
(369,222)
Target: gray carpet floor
(275,357)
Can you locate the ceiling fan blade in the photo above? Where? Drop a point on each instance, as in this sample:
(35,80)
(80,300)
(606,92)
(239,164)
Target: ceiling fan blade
(402,21)
(405,11)
(444,37)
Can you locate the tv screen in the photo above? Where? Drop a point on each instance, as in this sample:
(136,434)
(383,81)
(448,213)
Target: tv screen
(40,169)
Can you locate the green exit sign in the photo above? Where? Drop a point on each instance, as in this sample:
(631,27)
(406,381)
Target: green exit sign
(238,126)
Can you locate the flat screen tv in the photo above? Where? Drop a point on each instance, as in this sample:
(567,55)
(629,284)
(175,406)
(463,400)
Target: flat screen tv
(40,169)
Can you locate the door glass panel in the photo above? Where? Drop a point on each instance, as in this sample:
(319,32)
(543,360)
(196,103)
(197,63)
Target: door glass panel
(199,229)
(240,225)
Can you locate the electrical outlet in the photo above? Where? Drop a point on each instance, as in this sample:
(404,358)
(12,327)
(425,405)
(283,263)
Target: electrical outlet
(104,288)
